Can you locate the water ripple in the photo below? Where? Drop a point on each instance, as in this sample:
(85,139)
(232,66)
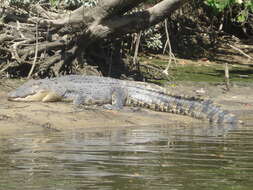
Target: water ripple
(147,157)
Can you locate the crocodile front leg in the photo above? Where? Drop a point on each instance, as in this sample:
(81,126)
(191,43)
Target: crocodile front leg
(118,99)
(82,100)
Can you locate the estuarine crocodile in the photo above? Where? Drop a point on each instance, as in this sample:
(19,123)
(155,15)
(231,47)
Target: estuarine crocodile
(117,93)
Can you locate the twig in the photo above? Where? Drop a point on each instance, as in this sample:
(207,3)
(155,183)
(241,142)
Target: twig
(167,43)
(37,9)
(47,45)
(152,67)
(227,76)
(18,29)
(235,48)
(14,52)
(5,37)
(5,49)
(6,66)
(24,27)
(167,36)
(137,45)
(36,53)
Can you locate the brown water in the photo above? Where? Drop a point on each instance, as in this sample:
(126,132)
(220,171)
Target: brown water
(149,157)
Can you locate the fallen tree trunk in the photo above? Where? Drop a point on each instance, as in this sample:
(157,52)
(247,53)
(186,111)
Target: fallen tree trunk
(49,40)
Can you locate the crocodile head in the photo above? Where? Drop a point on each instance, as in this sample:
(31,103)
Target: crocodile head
(33,90)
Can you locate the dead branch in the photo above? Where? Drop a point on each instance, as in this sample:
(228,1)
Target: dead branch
(243,53)
(5,37)
(167,43)
(38,10)
(36,53)
(61,37)
(137,45)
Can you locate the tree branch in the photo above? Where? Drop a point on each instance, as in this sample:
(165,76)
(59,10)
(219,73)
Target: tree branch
(86,16)
(136,21)
(108,8)
(162,10)
(80,15)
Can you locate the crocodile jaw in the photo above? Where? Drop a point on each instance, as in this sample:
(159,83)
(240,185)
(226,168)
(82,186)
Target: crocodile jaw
(44,96)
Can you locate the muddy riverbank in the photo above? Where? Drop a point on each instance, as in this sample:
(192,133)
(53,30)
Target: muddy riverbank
(20,116)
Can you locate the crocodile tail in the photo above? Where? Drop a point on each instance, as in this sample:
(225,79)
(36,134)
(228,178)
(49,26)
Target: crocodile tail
(158,89)
(204,110)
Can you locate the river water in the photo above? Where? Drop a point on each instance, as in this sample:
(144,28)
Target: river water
(172,157)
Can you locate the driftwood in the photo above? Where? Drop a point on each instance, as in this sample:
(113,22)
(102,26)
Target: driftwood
(52,41)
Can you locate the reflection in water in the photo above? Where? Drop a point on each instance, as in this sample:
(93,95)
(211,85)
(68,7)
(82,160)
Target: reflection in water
(148,157)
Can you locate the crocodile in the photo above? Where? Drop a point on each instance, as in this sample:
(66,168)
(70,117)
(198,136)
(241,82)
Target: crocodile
(115,93)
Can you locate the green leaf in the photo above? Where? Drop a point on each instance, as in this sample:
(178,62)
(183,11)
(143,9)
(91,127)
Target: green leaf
(242,17)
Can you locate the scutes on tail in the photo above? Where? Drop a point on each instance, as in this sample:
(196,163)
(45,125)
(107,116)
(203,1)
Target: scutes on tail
(117,93)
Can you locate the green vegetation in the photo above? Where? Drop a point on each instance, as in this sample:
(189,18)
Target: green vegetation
(242,8)
(212,73)
(204,72)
